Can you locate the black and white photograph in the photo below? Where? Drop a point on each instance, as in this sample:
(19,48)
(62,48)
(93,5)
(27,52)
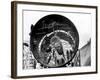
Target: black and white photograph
(53,42)
(55,39)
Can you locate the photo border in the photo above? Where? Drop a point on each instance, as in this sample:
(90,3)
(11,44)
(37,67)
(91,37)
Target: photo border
(14,37)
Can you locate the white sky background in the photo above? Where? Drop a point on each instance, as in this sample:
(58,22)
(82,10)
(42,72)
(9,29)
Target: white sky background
(81,21)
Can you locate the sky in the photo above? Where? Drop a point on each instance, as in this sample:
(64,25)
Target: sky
(81,21)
